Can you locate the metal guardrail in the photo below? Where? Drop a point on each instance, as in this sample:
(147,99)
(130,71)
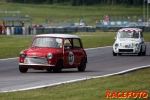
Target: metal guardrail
(45,30)
(112,28)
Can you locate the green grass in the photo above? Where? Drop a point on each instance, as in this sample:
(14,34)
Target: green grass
(61,13)
(93,89)
(10,46)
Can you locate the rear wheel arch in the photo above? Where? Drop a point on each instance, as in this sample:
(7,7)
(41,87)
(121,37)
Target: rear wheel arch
(82,66)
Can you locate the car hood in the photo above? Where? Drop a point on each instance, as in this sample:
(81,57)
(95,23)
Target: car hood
(41,52)
(128,40)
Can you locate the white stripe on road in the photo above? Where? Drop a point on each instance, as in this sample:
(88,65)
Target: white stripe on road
(10,58)
(77,80)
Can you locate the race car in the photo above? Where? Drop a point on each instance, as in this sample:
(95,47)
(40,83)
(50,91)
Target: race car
(37,25)
(53,52)
(129,41)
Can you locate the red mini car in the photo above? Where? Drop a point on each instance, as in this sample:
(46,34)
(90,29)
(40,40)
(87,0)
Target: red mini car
(53,52)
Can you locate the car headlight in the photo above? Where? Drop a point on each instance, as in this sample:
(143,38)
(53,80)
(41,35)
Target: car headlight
(22,54)
(49,56)
(116,45)
(136,44)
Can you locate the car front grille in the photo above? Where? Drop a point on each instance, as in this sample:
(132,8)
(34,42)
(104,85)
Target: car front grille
(35,60)
(125,50)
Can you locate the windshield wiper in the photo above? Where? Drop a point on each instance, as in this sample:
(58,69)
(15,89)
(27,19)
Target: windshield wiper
(34,46)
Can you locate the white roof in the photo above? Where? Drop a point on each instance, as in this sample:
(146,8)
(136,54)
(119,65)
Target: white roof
(58,35)
(130,29)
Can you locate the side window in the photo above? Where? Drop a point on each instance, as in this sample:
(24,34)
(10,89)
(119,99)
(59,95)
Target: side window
(68,43)
(59,41)
(76,43)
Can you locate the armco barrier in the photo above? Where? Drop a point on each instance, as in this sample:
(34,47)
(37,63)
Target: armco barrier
(86,29)
(82,29)
(24,30)
(46,30)
(143,28)
(91,29)
(59,30)
(39,30)
(70,29)
(8,31)
(13,30)
(16,30)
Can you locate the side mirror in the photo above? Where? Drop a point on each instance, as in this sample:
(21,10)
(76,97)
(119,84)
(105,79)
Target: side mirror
(67,48)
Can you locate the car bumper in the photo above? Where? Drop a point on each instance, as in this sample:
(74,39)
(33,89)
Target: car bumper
(127,50)
(36,66)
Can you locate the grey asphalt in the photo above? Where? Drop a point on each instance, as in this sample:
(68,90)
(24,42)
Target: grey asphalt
(100,62)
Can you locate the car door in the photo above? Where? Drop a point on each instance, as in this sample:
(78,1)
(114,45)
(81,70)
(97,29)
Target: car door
(78,51)
(68,53)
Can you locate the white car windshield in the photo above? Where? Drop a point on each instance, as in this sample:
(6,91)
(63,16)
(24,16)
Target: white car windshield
(47,42)
(128,34)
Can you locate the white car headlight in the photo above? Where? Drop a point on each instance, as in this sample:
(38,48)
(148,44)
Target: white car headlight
(22,54)
(49,56)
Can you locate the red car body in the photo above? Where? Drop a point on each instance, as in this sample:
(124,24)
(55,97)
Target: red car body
(43,54)
(37,25)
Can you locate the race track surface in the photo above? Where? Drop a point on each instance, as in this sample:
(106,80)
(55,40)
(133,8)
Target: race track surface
(100,62)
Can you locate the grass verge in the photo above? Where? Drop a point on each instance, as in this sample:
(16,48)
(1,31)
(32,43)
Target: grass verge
(93,89)
(10,46)
(60,13)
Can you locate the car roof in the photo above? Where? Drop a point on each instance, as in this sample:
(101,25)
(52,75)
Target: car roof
(130,29)
(58,35)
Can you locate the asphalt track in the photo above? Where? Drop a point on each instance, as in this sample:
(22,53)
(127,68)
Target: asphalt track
(101,63)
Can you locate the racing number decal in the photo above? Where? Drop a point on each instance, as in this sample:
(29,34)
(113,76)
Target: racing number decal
(71,58)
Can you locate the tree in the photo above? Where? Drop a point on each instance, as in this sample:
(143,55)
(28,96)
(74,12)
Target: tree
(84,2)
(49,1)
(73,2)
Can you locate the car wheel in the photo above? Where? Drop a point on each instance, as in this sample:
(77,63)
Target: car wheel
(144,53)
(58,67)
(114,54)
(140,53)
(82,66)
(22,70)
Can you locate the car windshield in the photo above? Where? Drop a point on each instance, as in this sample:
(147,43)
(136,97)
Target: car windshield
(128,34)
(47,42)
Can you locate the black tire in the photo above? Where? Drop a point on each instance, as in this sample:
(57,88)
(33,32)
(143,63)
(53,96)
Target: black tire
(140,53)
(114,54)
(144,53)
(82,66)
(58,67)
(22,70)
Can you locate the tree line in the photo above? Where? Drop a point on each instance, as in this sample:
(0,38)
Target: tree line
(82,2)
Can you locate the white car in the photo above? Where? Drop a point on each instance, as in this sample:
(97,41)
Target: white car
(129,41)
